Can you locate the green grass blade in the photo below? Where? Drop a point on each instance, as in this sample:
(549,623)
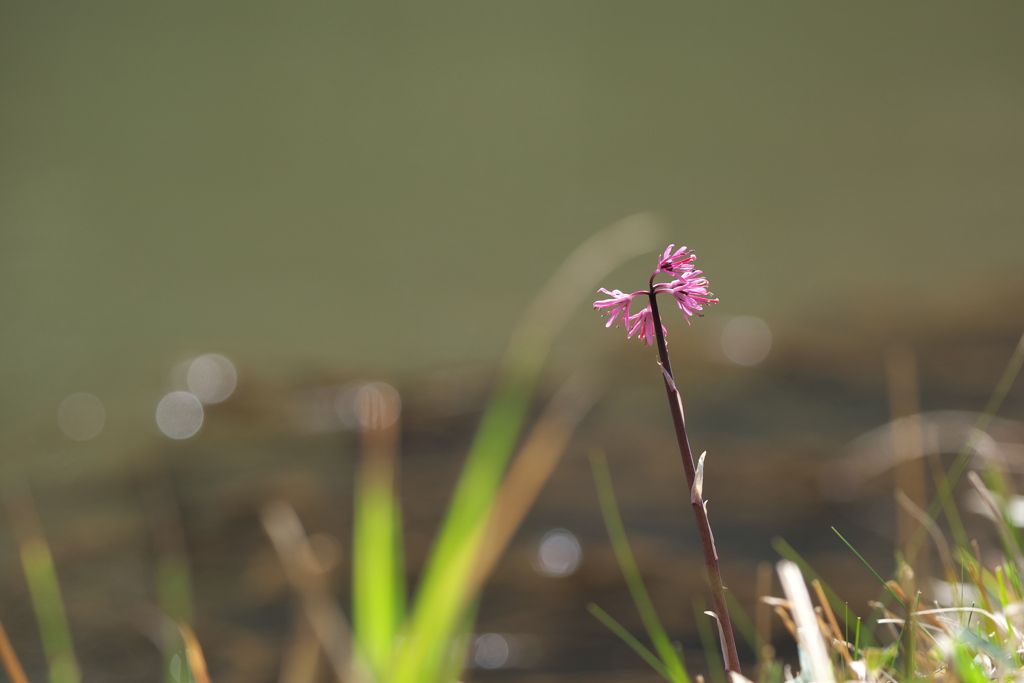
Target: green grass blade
(870,568)
(627,637)
(620,544)
(44,589)
(944,498)
(174,595)
(967,670)
(441,602)
(43,584)
(460,644)
(378,576)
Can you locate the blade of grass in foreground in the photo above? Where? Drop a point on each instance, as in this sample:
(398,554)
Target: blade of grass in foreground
(870,568)
(378,600)
(12,665)
(43,586)
(378,574)
(628,638)
(944,499)
(441,597)
(173,575)
(617,533)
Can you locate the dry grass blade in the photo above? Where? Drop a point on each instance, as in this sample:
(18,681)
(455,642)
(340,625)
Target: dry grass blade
(889,618)
(997,516)
(927,523)
(762,614)
(787,621)
(531,469)
(837,635)
(12,665)
(194,652)
(907,435)
(293,549)
(808,633)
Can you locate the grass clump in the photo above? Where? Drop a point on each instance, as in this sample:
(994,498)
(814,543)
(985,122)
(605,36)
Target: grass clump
(967,626)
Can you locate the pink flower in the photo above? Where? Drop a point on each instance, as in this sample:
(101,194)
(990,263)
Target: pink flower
(690,292)
(642,324)
(677,262)
(617,305)
(689,289)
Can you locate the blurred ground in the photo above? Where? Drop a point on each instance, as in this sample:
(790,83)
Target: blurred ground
(768,429)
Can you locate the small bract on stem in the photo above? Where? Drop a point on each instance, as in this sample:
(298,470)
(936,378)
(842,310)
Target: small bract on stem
(689,289)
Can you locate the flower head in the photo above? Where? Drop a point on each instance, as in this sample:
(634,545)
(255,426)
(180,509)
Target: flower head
(676,262)
(688,287)
(617,305)
(690,292)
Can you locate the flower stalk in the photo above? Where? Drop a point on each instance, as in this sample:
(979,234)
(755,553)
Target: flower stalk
(707,540)
(689,289)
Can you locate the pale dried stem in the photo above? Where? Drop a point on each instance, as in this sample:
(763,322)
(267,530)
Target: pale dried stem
(328,623)
(833,622)
(808,630)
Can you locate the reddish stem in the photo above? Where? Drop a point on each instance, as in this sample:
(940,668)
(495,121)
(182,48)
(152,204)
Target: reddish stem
(707,541)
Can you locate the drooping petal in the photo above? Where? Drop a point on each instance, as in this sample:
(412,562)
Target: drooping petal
(642,325)
(618,305)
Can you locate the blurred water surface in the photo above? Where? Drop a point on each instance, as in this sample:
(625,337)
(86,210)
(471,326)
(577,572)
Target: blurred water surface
(386,186)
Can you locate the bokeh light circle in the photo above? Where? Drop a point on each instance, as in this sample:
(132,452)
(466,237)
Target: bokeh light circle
(81,416)
(492,651)
(179,415)
(211,378)
(378,405)
(746,340)
(559,553)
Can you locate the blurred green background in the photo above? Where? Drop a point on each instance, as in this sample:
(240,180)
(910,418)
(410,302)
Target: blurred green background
(386,185)
(330,191)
